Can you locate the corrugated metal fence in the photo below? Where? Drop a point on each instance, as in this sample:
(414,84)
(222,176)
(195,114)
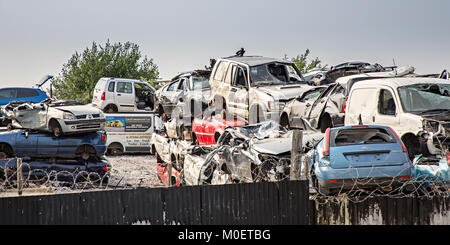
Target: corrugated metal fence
(237,204)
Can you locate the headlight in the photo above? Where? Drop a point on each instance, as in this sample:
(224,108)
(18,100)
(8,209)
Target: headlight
(431,126)
(276,105)
(69,116)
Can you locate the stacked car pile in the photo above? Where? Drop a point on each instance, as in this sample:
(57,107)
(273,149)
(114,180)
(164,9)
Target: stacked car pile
(380,127)
(60,140)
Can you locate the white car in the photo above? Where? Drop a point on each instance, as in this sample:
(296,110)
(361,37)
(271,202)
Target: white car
(61,117)
(112,95)
(418,109)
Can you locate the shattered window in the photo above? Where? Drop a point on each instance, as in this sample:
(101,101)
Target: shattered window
(312,94)
(198,83)
(172,86)
(271,74)
(359,136)
(423,98)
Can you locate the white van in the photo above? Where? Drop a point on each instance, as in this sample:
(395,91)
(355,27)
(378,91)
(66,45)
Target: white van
(114,95)
(130,132)
(418,109)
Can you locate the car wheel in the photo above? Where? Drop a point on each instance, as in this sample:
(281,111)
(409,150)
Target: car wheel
(115,149)
(325,122)
(56,129)
(111,109)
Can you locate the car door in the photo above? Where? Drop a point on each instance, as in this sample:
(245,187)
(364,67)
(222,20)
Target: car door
(239,88)
(48,145)
(26,143)
(314,111)
(387,109)
(32,116)
(125,96)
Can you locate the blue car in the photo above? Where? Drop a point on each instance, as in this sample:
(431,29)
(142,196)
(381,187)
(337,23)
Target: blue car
(363,156)
(24,143)
(21,94)
(96,172)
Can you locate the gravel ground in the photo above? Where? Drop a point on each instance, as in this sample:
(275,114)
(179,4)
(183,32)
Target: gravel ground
(134,171)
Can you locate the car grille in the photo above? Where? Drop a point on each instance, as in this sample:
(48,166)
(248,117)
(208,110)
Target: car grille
(88,126)
(95,115)
(81,117)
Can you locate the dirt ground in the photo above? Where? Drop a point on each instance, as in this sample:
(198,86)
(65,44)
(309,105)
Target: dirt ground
(134,171)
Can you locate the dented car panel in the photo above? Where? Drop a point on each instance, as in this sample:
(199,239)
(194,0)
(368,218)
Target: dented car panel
(433,173)
(207,131)
(70,116)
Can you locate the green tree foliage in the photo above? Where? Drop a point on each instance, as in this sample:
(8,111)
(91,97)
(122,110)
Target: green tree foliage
(81,73)
(301,61)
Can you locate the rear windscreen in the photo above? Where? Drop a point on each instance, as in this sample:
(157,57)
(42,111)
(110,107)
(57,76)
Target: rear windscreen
(101,84)
(359,136)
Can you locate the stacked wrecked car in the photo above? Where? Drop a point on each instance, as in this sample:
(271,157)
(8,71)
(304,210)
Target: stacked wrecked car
(60,140)
(256,103)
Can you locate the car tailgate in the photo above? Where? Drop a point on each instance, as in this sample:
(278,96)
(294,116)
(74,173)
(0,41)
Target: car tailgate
(367,155)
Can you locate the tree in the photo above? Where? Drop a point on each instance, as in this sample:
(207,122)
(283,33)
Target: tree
(81,73)
(302,63)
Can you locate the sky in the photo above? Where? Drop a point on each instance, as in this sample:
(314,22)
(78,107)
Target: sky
(38,37)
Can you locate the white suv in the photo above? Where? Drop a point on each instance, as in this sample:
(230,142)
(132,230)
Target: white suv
(123,95)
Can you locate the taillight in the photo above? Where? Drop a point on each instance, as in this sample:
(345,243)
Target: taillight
(332,180)
(326,143)
(103,96)
(344,106)
(448,158)
(398,138)
(105,168)
(404,177)
(104,137)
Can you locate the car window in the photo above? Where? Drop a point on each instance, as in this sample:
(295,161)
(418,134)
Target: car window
(420,98)
(124,87)
(100,84)
(312,94)
(239,76)
(182,85)
(7,93)
(198,83)
(172,86)
(359,136)
(26,93)
(386,104)
(220,71)
(111,86)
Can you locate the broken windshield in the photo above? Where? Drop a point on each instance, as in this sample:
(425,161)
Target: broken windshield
(423,98)
(274,74)
(198,83)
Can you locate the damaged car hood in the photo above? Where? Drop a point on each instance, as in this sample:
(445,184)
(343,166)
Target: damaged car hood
(285,92)
(78,109)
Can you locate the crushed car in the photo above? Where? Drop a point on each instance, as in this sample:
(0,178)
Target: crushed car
(251,153)
(188,92)
(417,108)
(42,146)
(432,174)
(207,129)
(253,87)
(359,157)
(324,107)
(58,118)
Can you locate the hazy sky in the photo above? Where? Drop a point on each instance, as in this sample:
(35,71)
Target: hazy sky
(38,37)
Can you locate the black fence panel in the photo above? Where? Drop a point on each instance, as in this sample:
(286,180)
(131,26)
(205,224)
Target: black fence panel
(235,204)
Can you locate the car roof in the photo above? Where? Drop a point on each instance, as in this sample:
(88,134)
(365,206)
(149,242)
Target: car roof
(20,88)
(399,82)
(346,79)
(360,127)
(256,60)
(122,79)
(191,73)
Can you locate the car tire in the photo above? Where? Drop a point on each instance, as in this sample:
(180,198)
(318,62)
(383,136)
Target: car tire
(115,149)
(56,129)
(110,109)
